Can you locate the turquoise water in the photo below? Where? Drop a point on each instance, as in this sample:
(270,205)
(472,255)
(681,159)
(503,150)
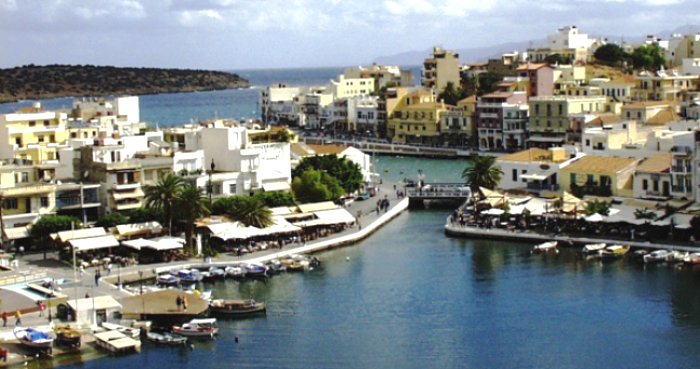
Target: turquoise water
(410,297)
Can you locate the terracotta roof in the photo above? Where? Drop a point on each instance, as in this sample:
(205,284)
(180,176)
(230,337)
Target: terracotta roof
(604,119)
(625,78)
(532,66)
(467,100)
(301,149)
(662,117)
(528,156)
(499,94)
(659,163)
(599,165)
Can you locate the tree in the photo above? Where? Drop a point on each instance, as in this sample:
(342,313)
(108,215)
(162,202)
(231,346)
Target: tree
(111,220)
(142,215)
(49,224)
(163,194)
(557,59)
(314,186)
(482,173)
(276,198)
(610,54)
(251,212)
(450,94)
(190,204)
(487,82)
(595,206)
(648,57)
(347,173)
(644,213)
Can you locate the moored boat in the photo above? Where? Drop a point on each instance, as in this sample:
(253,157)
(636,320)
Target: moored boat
(655,256)
(614,251)
(236,307)
(167,279)
(189,275)
(67,336)
(255,270)
(216,272)
(127,331)
(692,259)
(545,247)
(593,248)
(234,271)
(197,328)
(166,338)
(33,338)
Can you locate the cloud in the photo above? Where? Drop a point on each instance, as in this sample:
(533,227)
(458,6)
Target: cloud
(196,17)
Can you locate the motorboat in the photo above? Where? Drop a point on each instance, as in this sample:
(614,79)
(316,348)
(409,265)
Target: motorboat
(236,307)
(67,336)
(204,295)
(255,270)
(593,248)
(167,279)
(545,247)
(217,273)
(197,328)
(656,256)
(166,338)
(692,259)
(189,275)
(31,337)
(676,256)
(275,266)
(235,271)
(614,251)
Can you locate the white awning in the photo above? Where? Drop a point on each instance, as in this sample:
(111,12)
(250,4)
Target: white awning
(65,236)
(139,228)
(316,206)
(535,176)
(94,243)
(280,225)
(100,303)
(329,217)
(233,231)
(276,186)
(281,210)
(546,139)
(160,244)
(16,233)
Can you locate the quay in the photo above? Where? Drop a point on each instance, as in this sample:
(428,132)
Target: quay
(383,148)
(161,305)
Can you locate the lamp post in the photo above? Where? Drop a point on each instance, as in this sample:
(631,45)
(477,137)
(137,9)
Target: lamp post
(210,187)
(119,275)
(49,299)
(143,304)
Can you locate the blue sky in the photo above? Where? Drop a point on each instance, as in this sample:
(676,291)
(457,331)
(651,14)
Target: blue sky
(246,34)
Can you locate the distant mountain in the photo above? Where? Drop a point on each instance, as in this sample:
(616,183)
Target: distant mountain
(41,82)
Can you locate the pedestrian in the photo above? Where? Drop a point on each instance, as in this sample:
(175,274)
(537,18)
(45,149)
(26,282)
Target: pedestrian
(87,295)
(4,318)
(178,302)
(21,251)
(97,278)
(82,269)
(109,268)
(41,308)
(184,303)
(18,317)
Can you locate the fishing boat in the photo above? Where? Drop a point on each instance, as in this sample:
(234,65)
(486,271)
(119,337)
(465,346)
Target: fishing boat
(197,328)
(236,307)
(545,247)
(217,273)
(692,259)
(31,337)
(166,338)
(593,248)
(234,272)
(67,336)
(167,279)
(655,256)
(255,270)
(614,251)
(188,275)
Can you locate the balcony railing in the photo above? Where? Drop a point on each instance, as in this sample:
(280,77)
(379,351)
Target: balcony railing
(542,187)
(681,169)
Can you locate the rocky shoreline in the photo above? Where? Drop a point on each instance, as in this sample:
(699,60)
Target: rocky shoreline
(53,81)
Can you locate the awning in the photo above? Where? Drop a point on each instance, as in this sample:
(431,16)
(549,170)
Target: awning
(233,231)
(100,303)
(276,186)
(65,236)
(280,225)
(281,210)
(160,244)
(94,243)
(138,228)
(16,233)
(545,139)
(317,206)
(493,211)
(535,176)
(137,192)
(329,217)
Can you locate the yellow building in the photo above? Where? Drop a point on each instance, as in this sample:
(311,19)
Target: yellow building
(663,85)
(600,176)
(442,68)
(416,119)
(550,120)
(25,196)
(32,134)
(401,97)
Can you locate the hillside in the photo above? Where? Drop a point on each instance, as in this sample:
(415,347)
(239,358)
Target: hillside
(40,82)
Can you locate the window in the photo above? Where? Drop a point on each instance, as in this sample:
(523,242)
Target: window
(73,135)
(52,138)
(32,123)
(656,186)
(572,178)
(40,138)
(44,201)
(561,109)
(232,188)
(588,142)
(10,203)
(46,123)
(515,174)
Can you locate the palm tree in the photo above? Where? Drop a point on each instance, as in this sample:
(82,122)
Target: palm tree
(482,173)
(162,195)
(190,204)
(251,212)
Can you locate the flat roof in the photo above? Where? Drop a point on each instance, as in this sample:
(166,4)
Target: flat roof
(658,163)
(529,155)
(599,165)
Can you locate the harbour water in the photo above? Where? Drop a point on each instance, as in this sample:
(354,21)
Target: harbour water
(409,297)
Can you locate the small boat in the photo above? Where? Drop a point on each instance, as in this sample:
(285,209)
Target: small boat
(31,337)
(204,295)
(545,247)
(614,251)
(166,338)
(593,248)
(217,273)
(189,275)
(234,272)
(275,266)
(127,331)
(655,256)
(676,256)
(67,336)
(692,259)
(236,307)
(117,342)
(167,279)
(197,328)
(255,270)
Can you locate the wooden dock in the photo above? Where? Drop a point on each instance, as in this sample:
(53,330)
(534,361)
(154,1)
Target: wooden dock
(161,304)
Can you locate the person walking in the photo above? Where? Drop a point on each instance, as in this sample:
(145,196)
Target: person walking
(41,307)
(18,317)
(97,278)
(178,302)
(184,303)
(4,318)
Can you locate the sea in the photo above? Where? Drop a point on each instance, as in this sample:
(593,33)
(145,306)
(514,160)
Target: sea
(408,296)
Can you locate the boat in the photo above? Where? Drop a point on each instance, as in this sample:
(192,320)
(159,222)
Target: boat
(676,256)
(204,295)
(197,328)
(67,336)
(189,275)
(614,251)
(167,279)
(31,337)
(236,307)
(234,272)
(692,259)
(655,256)
(275,266)
(166,338)
(545,247)
(116,342)
(217,273)
(127,331)
(593,248)
(255,270)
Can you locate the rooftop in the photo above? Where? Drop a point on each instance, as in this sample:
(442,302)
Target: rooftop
(599,165)
(659,163)
(528,156)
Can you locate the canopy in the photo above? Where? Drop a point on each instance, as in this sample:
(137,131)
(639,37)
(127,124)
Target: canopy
(516,209)
(94,243)
(535,176)
(281,210)
(594,218)
(493,211)
(571,203)
(161,244)
(126,230)
(491,197)
(280,225)
(317,206)
(233,231)
(276,186)
(65,236)
(16,233)
(328,217)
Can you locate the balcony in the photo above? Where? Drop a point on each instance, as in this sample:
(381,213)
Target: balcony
(27,191)
(681,169)
(489,115)
(126,186)
(534,186)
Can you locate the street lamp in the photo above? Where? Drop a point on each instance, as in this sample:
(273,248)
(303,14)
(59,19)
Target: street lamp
(49,299)
(210,187)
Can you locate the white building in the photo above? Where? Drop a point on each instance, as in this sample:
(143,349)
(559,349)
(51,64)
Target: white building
(349,87)
(569,38)
(535,169)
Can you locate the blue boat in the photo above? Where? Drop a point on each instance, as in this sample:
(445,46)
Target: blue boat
(188,275)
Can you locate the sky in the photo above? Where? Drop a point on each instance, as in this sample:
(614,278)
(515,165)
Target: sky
(253,34)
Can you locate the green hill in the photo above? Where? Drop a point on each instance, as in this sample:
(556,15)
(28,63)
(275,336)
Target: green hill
(41,82)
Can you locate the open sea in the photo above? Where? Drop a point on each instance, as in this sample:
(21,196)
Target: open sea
(410,297)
